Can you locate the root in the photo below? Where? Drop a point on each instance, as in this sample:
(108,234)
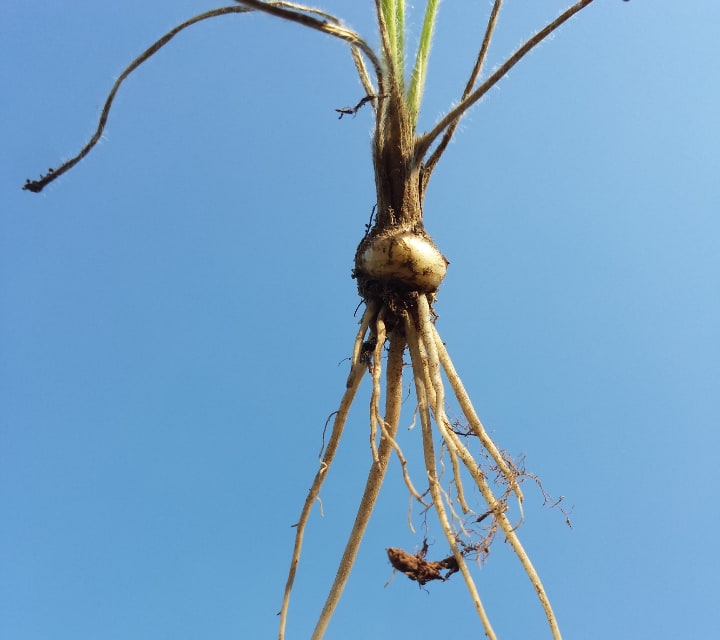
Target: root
(419,368)
(356,374)
(436,354)
(376,371)
(367,317)
(376,418)
(469,412)
(393,402)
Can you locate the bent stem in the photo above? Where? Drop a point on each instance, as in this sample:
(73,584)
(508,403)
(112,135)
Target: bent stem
(306,16)
(474,74)
(36,186)
(427,139)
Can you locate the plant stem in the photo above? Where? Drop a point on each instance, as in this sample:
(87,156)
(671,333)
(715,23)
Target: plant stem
(36,186)
(417,80)
(474,74)
(393,12)
(289,11)
(426,140)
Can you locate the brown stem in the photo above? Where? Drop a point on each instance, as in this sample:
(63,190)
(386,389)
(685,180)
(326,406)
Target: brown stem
(330,25)
(289,11)
(397,171)
(474,74)
(425,141)
(36,186)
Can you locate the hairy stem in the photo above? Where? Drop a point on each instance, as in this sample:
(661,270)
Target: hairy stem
(289,11)
(393,22)
(474,75)
(419,73)
(425,141)
(36,186)
(329,24)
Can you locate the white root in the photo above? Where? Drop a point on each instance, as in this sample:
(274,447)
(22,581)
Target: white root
(375,479)
(419,367)
(376,371)
(367,316)
(469,412)
(356,374)
(428,356)
(432,342)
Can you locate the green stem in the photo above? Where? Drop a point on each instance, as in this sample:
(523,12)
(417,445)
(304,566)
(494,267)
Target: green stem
(393,12)
(417,81)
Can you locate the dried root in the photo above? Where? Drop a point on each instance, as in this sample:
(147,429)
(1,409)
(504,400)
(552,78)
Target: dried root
(417,568)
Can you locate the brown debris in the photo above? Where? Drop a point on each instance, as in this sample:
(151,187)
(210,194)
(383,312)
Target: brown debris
(417,568)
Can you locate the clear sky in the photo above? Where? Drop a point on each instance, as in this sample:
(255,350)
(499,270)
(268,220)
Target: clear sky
(175,313)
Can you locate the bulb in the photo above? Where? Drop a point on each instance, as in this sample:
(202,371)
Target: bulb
(405,258)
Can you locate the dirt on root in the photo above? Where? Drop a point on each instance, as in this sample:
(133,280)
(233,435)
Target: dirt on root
(417,568)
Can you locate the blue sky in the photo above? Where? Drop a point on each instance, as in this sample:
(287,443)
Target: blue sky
(175,311)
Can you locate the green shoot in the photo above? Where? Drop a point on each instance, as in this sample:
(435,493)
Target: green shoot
(393,12)
(417,80)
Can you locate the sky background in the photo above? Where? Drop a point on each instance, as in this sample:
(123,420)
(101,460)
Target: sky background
(175,313)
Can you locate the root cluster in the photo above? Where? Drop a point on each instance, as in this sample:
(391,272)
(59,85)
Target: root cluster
(400,323)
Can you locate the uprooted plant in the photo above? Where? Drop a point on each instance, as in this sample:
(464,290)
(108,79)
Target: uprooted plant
(398,270)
